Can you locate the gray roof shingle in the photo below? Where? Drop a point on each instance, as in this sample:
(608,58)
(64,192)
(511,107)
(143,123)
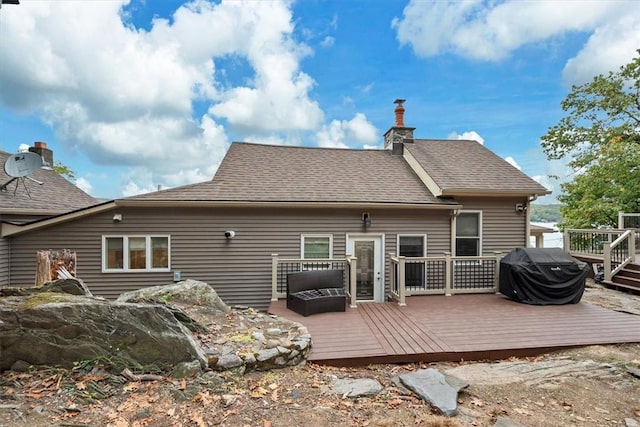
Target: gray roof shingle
(270,173)
(459,166)
(55,196)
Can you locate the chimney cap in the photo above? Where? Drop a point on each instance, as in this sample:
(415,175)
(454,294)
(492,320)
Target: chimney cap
(40,144)
(399,101)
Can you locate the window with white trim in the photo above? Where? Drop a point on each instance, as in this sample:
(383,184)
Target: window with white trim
(413,245)
(135,253)
(469,234)
(316,246)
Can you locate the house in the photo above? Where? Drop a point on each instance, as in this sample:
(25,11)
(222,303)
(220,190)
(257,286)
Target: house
(416,197)
(26,200)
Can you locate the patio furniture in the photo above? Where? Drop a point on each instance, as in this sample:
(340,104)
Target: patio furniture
(318,291)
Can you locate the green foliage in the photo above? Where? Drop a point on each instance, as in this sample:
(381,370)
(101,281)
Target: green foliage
(545,213)
(64,171)
(601,136)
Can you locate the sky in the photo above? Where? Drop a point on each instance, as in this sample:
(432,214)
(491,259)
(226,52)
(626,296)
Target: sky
(136,95)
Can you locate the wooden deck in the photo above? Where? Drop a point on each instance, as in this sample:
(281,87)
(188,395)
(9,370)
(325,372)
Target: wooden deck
(460,327)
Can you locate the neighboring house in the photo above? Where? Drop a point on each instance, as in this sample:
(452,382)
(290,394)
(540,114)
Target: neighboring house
(23,201)
(415,198)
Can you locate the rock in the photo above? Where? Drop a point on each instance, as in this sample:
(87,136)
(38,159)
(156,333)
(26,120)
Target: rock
(357,387)
(431,386)
(191,292)
(20,366)
(229,361)
(633,371)
(274,332)
(187,369)
(59,329)
(229,399)
(507,422)
(529,373)
(258,336)
(267,354)
(630,422)
(68,286)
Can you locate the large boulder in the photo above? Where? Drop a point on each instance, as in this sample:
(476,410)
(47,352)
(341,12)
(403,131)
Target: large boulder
(189,292)
(59,329)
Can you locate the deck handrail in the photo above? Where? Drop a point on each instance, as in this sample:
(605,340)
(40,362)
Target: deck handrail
(348,261)
(615,253)
(446,274)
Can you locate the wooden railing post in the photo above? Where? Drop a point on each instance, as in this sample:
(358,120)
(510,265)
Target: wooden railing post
(620,220)
(274,277)
(401,284)
(566,240)
(448,269)
(607,261)
(496,276)
(632,246)
(353,277)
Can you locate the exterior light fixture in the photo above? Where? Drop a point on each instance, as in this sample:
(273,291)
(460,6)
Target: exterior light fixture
(521,208)
(230,234)
(366,219)
(117,217)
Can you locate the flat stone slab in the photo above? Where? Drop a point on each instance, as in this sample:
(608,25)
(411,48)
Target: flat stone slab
(432,386)
(357,387)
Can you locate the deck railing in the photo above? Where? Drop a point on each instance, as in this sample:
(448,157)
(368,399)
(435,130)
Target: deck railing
(281,267)
(446,275)
(615,247)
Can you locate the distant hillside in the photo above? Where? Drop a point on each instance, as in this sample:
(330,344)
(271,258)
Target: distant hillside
(545,213)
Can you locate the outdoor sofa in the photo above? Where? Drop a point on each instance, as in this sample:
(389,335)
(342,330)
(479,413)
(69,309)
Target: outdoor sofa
(317,291)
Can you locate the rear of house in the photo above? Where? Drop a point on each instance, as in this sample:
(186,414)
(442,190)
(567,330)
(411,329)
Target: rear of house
(298,203)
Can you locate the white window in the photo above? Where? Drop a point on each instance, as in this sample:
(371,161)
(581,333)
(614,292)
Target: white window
(413,245)
(316,246)
(469,234)
(135,253)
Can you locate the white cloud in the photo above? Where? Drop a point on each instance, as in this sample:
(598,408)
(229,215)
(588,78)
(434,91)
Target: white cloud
(84,185)
(467,136)
(491,31)
(126,96)
(343,134)
(328,41)
(513,162)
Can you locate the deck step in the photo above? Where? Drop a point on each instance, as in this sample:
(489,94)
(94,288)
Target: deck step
(622,286)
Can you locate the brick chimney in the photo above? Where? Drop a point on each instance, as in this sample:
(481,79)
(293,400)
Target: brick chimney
(399,133)
(41,149)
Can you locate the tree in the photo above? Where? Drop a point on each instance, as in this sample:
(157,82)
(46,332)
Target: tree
(65,171)
(601,137)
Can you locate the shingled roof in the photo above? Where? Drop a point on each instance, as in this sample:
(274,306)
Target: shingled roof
(271,173)
(459,167)
(55,196)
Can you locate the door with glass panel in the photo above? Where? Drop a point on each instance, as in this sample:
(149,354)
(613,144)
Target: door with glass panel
(369,280)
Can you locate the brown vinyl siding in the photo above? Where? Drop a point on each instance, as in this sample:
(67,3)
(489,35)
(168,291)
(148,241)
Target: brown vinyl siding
(502,227)
(4,262)
(240,268)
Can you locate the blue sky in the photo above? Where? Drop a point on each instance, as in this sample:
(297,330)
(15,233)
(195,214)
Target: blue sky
(137,94)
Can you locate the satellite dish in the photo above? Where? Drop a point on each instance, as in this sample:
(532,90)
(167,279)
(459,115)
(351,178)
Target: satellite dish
(20,165)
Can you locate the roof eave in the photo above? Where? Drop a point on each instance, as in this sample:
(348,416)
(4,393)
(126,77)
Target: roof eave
(459,192)
(8,229)
(283,203)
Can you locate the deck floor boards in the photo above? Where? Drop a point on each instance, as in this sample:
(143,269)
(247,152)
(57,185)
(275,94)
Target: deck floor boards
(434,328)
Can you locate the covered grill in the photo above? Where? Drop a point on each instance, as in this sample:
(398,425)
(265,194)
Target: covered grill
(542,276)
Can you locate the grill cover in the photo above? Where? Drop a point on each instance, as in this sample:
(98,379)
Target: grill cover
(542,276)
